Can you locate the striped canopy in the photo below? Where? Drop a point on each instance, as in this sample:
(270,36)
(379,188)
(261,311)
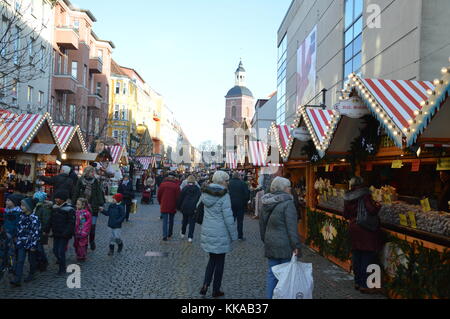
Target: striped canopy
(65,135)
(116,153)
(284,135)
(396,103)
(258,153)
(231,160)
(146,161)
(321,125)
(16,131)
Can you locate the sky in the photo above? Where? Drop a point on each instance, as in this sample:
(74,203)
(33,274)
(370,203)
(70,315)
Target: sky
(188,51)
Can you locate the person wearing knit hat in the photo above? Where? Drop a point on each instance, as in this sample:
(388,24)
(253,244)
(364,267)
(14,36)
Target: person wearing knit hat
(116,213)
(11,219)
(61,195)
(28,230)
(43,211)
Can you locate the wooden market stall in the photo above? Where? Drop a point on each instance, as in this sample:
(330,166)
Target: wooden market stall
(28,148)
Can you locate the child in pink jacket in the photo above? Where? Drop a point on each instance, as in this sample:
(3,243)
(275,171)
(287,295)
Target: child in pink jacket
(83,225)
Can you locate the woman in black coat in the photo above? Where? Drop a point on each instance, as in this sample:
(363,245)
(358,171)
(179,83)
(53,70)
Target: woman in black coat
(187,203)
(126,189)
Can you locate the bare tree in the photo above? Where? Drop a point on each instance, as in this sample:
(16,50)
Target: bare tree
(24,54)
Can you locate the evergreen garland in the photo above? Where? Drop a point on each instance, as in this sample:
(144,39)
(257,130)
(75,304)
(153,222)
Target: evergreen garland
(367,143)
(339,247)
(426,275)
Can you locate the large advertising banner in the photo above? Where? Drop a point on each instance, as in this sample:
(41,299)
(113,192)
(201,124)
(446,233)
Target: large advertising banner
(306,69)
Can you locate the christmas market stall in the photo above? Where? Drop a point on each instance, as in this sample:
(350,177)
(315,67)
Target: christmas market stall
(74,147)
(388,148)
(28,149)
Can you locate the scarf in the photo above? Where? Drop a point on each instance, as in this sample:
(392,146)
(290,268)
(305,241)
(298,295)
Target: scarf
(88,184)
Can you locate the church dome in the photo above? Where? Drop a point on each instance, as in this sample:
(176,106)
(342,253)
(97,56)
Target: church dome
(239,91)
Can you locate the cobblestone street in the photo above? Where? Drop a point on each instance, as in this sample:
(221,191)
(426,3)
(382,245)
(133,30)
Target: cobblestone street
(178,274)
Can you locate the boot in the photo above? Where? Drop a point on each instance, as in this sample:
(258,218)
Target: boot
(111,250)
(119,249)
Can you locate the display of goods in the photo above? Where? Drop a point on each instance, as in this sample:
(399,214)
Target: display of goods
(332,202)
(322,184)
(432,222)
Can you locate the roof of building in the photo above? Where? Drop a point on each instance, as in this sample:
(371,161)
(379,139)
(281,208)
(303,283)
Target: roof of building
(239,91)
(240,67)
(116,69)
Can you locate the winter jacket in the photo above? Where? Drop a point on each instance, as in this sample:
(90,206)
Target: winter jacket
(44,212)
(83,223)
(11,218)
(185,183)
(188,199)
(362,239)
(60,182)
(62,221)
(278,225)
(28,231)
(127,192)
(97,198)
(239,194)
(116,214)
(168,194)
(218,228)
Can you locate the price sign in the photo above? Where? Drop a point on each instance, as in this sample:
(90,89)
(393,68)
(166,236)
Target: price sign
(403,220)
(324,196)
(443,164)
(415,166)
(331,167)
(315,169)
(335,192)
(327,168)
(397,164)
(412,219)
(387,199)
(425,205)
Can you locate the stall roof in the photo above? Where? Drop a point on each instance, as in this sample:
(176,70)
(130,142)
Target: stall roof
(117,152)
(436,111)
(66,135)
(17,131)
(321,125)
(400,105)
(146,161)
(258,153)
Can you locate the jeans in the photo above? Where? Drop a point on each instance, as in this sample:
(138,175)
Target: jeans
(215,267)
(168,224)
(127,211)
(272,281)
(41,256)
(92,232)
(239,217)
(188,220)
(361,260)
(59,249)
(115,237)
(21,256)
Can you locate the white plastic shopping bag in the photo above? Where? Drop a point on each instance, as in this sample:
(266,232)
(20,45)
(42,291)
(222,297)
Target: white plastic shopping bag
(295,280)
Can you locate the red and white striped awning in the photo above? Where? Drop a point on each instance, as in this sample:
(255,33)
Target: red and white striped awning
(17,131)
(116,153)
(145,161)
(231,160)
(258,153)
(397,104)
(65,135)
(321,125)
(284,135)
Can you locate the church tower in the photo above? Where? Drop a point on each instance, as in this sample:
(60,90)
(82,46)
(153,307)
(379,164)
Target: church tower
(239,104)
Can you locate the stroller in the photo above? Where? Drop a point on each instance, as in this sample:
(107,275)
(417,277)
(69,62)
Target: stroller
(147,196)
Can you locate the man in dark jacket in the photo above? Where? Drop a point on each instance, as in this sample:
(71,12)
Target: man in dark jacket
(61,181)
(240,194)
(187,203)
(168,194)
(62,224)
(126,189)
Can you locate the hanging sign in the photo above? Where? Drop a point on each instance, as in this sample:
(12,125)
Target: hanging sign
(397,164)
(425,205)
(353,108)
(301,134)
(415,166)
(443,164)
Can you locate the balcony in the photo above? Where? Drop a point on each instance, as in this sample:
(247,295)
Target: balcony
(95,65)
(95,101)
(67,38)
(65,83)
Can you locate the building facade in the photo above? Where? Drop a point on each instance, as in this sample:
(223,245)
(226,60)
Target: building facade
(239,104)
(265,115)
(26,30)
(321,42)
